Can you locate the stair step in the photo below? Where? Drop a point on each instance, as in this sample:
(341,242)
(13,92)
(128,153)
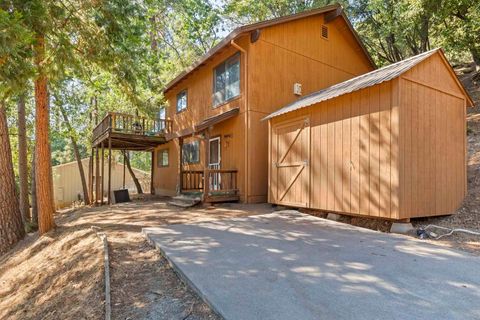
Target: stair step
(185,201)
(186,198)
(182,204)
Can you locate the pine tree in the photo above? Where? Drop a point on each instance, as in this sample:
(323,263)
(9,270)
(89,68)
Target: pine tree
(12,228)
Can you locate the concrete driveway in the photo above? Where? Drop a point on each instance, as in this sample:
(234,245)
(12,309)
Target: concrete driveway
(288,265)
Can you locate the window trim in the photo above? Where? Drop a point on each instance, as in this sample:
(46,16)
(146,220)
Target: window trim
(176,102)
(234,56)
(191,142)
(160,163)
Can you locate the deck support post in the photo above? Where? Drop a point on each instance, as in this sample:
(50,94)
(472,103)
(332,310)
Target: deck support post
(90,177)
(103,173)
(152,173)
(109,171)
(206,175)
(124,155)
(97,176)
(180,161)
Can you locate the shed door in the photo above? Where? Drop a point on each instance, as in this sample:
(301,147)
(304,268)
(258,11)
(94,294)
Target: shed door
(290,156)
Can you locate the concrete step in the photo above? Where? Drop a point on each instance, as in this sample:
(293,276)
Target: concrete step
(185,201)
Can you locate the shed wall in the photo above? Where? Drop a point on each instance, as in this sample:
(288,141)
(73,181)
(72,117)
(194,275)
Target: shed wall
(433,144)
(67,184)
(354,164)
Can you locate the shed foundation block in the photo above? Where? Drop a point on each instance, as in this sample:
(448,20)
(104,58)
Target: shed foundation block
(333,216)
(401,227)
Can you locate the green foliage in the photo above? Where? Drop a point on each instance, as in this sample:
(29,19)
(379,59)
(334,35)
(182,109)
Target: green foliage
(248,11)
(15,53)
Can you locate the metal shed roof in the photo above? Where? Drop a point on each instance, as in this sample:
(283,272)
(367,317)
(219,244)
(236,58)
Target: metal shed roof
(363,81)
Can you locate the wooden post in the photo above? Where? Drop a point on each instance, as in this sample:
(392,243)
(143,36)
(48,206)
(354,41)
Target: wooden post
(180,143)
(124,155)
(97,176)
(90,178)
(103,174)
(206,174)
(109,171)
(152,173)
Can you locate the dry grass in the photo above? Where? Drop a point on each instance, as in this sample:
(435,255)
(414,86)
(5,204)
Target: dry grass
(51,277)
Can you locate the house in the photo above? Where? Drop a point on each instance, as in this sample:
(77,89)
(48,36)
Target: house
(218,145)
(390,143)
(68,185)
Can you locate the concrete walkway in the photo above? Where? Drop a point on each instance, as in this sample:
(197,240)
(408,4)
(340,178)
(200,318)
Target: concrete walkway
(288,265)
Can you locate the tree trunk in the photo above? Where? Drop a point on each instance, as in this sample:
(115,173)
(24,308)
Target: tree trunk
(34,195)
(475,52)
(77,156)
(43,167)
(22,160)
(134,178)
(11,226)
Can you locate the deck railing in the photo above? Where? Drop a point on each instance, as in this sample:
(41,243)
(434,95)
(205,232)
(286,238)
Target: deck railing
(130,124)
(221,181)
(192,180)
(216,184)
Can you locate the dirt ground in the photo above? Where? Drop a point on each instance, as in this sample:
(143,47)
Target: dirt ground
(60,275)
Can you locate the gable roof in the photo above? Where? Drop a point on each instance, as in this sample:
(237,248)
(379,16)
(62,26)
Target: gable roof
(363,81)
(263,24)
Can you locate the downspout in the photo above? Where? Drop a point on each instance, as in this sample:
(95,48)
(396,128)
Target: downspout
(235,45)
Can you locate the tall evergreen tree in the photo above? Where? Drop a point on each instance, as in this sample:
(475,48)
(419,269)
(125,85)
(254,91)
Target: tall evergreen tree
(11,226)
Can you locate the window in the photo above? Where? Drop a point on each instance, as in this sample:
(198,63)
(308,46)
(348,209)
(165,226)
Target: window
(162,158)
(226,80)
(182,101)
(191,152)
(161,113)
(161,116)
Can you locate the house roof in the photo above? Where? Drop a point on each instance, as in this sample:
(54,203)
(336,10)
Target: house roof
(363,81)
(259,25)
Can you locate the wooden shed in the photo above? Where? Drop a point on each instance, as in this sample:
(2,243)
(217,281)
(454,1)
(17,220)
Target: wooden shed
(390,143)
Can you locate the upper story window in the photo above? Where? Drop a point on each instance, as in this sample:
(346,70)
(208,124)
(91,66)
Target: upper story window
(182,99)
(226,80)
(161,116)
(191,152)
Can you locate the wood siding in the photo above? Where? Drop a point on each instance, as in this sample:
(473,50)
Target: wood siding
(199,86)
(433,172)
(231,133)
(394,150)
(352,163)
(293,52)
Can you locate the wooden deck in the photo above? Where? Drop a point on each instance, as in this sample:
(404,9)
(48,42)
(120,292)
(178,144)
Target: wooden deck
(129,132)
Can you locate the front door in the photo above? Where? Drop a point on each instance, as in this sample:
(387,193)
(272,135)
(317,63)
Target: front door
(214,162)
(290,176)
